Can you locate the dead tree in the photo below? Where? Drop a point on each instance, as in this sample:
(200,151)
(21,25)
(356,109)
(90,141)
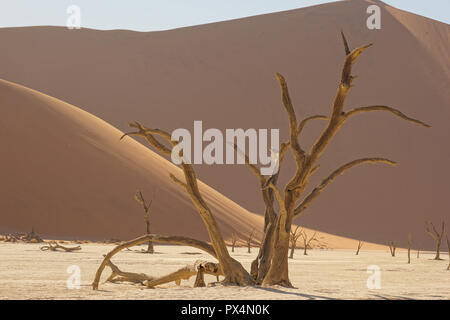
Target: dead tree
(249,240)
(53,246)
(146,206)
(295,234)
(360,244)
(409,247)
(431,230)
(307,241)
(271,265)
(392,247)
(234,239)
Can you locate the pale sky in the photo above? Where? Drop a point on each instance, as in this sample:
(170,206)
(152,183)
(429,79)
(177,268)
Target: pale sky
(151,15)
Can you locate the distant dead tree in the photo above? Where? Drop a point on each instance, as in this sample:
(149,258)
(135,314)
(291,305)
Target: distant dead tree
(234,239)
(409,247)
(146,206)
(448,247)
(307,241)
(392,247)
(250,239)
(271,264)
(295,234)
(360,244)
(431,230)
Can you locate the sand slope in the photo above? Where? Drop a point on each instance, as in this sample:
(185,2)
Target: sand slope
(223,74)
(65,173)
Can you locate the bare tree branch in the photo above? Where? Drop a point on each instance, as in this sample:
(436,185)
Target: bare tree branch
(314,193)
(346,47)
(396,112)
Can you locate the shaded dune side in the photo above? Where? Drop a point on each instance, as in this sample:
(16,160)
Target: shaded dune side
(65,173)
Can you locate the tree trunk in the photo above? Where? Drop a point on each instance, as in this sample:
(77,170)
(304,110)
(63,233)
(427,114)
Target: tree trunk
(438,249)
(260,266)
(279,272)
(291,256)
(150,248)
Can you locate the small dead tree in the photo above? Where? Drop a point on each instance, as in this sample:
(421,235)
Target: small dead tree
(234,239)
(250,239)
(448,247)
(295,234)
(431,230)
(360,244)
(307,241)
(392,247)
(409,247)
(146,206)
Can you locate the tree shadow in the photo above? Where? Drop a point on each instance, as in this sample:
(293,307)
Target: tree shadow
(298,294)
(391,297)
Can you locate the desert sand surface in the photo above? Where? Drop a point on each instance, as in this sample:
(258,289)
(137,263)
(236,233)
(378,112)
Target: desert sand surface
(223,74)
(28,273)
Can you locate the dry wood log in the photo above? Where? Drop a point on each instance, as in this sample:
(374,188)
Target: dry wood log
(199,269)
(154,238)
(53,246)
(118,275)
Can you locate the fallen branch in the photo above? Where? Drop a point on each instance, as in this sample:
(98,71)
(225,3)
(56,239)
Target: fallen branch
(199,268)
(154,238)
(53,246)
(118,275)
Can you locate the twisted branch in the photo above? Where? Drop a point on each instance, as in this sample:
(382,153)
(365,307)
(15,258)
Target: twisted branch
(315,193)
(396,112)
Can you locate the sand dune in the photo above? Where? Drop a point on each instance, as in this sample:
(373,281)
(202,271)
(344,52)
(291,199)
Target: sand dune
(223,74)
(65,173)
